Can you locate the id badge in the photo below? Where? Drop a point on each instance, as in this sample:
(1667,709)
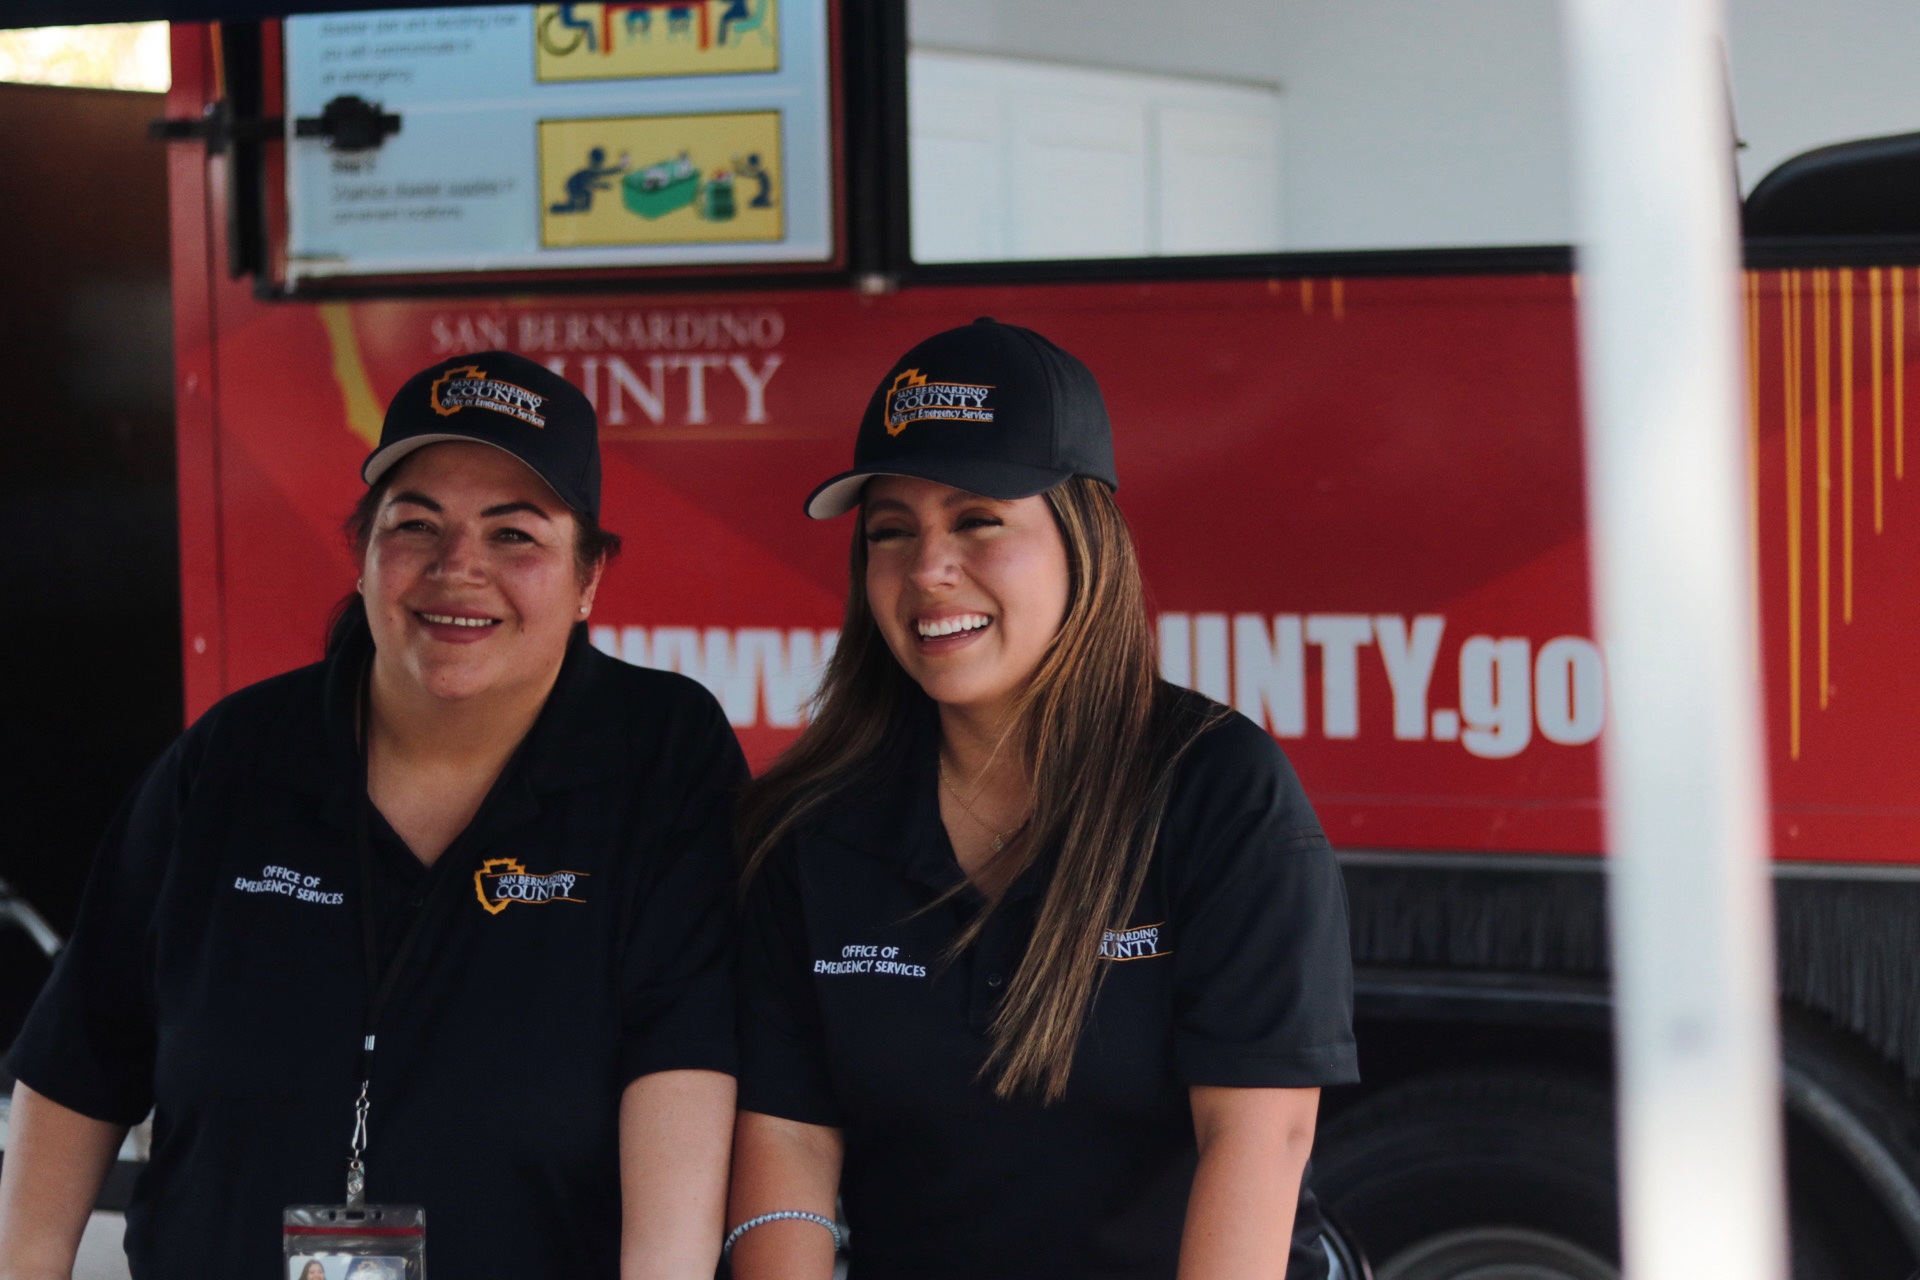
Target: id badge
(355,1242)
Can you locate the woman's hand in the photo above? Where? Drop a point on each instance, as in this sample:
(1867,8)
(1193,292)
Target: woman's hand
(1254,1145)
(675,1129)
(56,1161)
(783,1164)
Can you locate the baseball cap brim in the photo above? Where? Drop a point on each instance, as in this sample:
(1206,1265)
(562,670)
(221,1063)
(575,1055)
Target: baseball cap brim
(988,477)
(381,461)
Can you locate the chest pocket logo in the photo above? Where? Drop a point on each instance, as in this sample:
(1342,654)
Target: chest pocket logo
(1142,942)
(501,882)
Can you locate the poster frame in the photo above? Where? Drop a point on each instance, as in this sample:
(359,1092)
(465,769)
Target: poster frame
(273,280)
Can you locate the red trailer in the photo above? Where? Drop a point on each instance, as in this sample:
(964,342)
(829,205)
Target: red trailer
(1356,483)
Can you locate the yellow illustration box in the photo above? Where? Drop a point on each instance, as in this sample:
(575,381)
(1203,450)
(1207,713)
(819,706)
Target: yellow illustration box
(640,180)
(629,39)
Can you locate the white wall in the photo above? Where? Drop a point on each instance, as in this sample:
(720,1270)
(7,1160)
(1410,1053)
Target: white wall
(1014,158)
(1424,124)
(1137,35)
(1401,115)
(1808,74)
(1442,122)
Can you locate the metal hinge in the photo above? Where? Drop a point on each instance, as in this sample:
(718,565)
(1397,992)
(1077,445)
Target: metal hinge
(348,123)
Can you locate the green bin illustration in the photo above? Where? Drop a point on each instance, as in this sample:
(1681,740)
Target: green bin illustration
(716,198)
(659,189)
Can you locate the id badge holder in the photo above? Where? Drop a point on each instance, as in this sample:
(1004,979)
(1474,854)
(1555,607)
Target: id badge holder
(355,1242)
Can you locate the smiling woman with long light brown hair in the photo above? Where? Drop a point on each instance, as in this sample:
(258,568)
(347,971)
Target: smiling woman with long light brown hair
(1044,960)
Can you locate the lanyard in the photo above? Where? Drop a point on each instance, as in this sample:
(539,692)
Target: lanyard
(381,985)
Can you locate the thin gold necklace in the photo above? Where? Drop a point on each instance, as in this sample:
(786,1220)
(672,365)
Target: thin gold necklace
(998,839)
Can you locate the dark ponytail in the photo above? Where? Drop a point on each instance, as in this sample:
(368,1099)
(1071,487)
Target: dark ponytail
(347,619)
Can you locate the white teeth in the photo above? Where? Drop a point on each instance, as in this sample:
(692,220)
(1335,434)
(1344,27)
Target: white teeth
(952,626)
(448,620)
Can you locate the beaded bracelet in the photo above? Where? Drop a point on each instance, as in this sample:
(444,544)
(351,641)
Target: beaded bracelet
(726,1250)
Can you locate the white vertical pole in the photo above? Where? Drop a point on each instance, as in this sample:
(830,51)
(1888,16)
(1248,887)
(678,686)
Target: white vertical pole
(1701,1187)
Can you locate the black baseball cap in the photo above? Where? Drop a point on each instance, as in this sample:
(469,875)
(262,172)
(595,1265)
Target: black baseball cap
(509,402)
(990,408)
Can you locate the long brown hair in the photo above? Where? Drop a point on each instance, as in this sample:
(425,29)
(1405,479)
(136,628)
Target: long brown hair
(1100,735)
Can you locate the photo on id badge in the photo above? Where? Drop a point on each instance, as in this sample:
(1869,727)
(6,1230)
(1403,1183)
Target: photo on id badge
(343,1266)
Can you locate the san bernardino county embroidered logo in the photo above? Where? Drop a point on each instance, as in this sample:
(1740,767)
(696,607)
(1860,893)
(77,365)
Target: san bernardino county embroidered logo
(912,398)
(1142,942)
(469,387)
(500,882)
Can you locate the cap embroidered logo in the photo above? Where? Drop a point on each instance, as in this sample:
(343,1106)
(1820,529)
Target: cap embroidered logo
(1039,422)
(501,882)
(469,387)
(912,398)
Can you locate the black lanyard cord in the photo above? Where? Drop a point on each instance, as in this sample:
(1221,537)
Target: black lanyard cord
(380,986)
(381,983)
(377,990)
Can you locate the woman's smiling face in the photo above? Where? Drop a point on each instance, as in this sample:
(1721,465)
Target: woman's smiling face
(968,591)
(469,577)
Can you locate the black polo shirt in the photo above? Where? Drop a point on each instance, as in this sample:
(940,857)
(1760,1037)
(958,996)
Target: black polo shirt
(1233,970)
(575,937)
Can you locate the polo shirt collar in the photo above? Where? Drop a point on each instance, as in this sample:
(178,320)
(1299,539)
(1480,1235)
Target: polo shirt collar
(893,812)
(580,735)
(576,738)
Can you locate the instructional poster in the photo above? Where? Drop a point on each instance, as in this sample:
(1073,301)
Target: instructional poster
(568,135)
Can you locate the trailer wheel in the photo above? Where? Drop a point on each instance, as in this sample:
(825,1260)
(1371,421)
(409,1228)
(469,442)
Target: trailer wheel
(1476,1176)
(1497,1253)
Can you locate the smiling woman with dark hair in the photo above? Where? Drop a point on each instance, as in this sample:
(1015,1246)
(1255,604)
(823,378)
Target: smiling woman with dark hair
(1044,960)
(440,921)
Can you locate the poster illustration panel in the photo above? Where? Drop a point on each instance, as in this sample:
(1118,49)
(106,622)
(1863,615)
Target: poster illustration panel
(679,179)
(630,39)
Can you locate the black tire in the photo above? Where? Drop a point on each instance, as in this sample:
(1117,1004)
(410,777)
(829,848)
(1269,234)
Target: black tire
(1345,1260)
(1473,1156)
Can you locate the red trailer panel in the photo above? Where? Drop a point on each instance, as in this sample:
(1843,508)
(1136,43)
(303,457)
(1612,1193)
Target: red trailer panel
(1358,502)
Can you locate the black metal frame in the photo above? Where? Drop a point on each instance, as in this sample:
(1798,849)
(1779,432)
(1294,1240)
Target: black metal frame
(871,203)
(1766,253)
(874,105)
(243,67)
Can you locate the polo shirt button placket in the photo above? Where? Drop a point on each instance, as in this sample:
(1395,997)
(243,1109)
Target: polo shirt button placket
(993,958)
